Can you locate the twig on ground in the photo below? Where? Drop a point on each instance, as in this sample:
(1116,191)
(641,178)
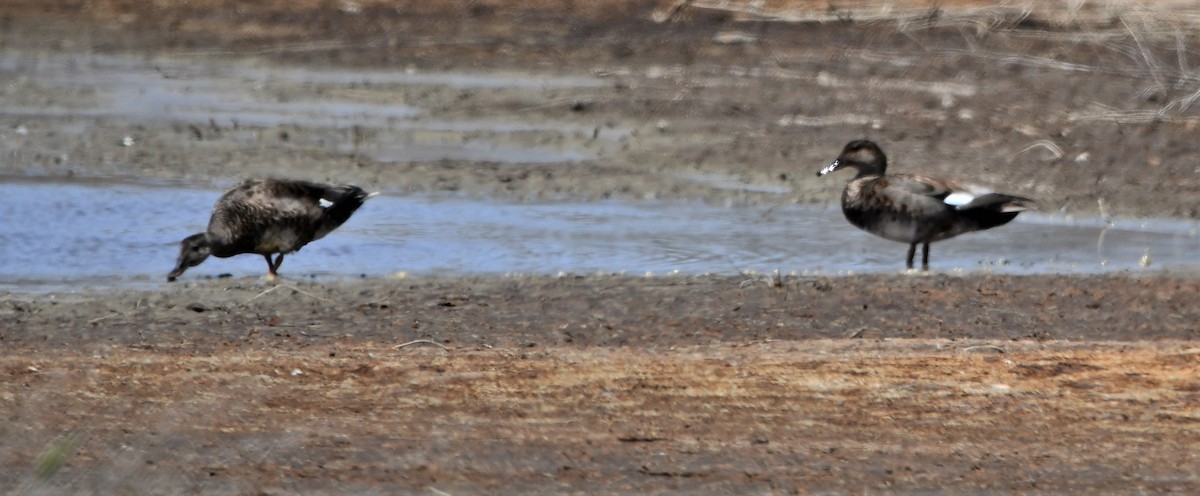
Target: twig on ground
(986,347)
(421,341)
(310,295)
(268,290)
(380,301)
(293,288)
(104,317)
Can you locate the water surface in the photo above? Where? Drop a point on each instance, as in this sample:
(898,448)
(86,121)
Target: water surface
(59,235)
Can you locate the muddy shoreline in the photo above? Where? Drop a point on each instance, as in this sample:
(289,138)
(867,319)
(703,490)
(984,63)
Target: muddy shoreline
(616,311)
(1065,117)
(1043,384)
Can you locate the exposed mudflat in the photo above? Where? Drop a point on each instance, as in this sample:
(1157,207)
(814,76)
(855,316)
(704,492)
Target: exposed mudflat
(610,384)
(595,384)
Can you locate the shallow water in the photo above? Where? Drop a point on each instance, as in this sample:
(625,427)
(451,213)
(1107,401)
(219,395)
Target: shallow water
(104,234)
(237,95)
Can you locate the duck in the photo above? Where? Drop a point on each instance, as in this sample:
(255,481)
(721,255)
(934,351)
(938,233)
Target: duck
(914,208)
(269,216)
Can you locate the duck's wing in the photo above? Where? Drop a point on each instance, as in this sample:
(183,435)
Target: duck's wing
(326,206)
(913,190)
(318,195)
(956,195)
(277,200)
(278,215)
(257,209)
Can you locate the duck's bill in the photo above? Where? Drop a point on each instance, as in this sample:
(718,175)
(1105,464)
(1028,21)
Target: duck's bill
(179,269)
(835,165)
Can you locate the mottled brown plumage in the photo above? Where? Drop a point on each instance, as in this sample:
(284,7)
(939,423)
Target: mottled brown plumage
(269,216)
(912,208)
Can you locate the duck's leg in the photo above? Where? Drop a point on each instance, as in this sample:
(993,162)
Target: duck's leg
(912,251)
(924,257)
(278,262)
(273,266)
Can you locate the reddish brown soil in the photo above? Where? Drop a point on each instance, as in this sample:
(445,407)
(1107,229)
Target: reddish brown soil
(610,385)
(607,385)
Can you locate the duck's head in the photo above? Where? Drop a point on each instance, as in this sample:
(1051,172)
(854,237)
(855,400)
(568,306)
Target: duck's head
(192,250)
(862,155)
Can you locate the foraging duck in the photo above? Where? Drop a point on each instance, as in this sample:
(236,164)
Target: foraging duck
(912,208)
(268,216)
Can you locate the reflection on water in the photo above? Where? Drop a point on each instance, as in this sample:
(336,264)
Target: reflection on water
(105,234)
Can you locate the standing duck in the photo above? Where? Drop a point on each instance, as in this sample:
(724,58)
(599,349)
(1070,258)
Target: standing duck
(268,216)
(912,208)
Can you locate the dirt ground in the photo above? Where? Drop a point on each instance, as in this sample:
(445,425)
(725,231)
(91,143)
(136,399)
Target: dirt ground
(623,385)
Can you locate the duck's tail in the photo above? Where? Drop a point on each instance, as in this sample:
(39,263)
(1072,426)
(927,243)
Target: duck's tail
(998,202)
(342,202)
(994,209)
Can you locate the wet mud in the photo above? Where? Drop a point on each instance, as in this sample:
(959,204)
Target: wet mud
(470,384)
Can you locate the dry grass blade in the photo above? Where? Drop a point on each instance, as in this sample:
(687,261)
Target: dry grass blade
(102,318)
(1048,145)
(420,341)
(56,454)
(910,17)
(293,288)
(1152,63)
(985,347)
(935,87)
(1129,116)
(264,293)
(1087,19)
(826,120)
(671,13)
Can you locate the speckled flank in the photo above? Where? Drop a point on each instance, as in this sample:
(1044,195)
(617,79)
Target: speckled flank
(875,213)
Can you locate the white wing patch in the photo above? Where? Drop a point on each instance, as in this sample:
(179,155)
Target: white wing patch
(324,203)
(958,198)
